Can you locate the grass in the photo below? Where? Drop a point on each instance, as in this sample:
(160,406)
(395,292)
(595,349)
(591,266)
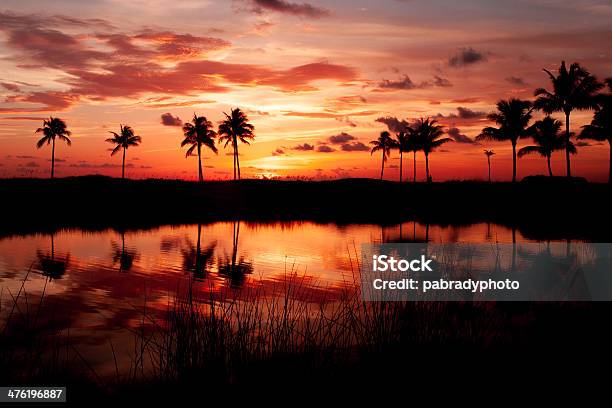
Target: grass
(248,339)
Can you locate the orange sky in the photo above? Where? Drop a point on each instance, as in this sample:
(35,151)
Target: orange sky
(313,77)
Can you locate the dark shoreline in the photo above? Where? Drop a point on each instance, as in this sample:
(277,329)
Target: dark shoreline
(540,208)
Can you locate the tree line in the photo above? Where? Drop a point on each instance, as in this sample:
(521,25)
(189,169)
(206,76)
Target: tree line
(573,88)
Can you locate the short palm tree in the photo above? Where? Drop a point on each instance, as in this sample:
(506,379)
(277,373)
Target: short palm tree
(512,118)
(124,139)
(53,128)
(489,153)
(573,88)
(429,133)
(600,128)
(384,143)
(546,134)
(234,129)
(199,133)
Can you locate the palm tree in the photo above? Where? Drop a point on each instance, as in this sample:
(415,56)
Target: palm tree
(547,136)
(489,153)
(53,128)
(429,133)
(402,144)
(384,143)
(124,139)
(236,128)
(513,118)
(414,147)
(600,128)
(199,133)
(572,88)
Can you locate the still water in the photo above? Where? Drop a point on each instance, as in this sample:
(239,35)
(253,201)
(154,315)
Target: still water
(97,284)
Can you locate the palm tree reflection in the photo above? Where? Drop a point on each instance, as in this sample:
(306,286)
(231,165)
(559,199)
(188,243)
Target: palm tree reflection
(235,268)
(196,260)
(125,257)
(53,265)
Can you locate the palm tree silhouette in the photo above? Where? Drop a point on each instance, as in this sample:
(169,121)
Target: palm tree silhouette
(235,268)
(401,143)
(124,139)
(489,153)
(414,147)
(513,118)
(199,133)
(196,260)
(546,134)
(572,88)
(429,133)
(600,128)
(384,143)
(236,128)
(53,128)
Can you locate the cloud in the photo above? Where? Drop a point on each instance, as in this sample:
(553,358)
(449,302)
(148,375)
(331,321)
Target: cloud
(303,147)
(405,83)
(341,138)
(278,152)
(458,137)
(10,87)
(283,6)
(463,113)
(394,124)
(516,81)
(466,56)
(50,101)
(26,157)
(168,120)
(31,164)
(354,147)
(325,149)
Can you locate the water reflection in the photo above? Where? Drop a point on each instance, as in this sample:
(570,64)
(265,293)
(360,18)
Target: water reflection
(123,256)
(235,268)
(51,264)
(196,261)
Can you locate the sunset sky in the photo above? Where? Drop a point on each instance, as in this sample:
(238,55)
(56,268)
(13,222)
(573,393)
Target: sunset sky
(318,79)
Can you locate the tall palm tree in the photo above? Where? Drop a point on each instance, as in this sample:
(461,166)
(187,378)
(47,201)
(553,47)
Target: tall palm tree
(429,133)
(236,128)
(600,128)
(402,143)
(414,147)
(513,118)
(546,134)
(489,153)
(199,133)
(124,139)
(572,88)
(384,143)
(53,128)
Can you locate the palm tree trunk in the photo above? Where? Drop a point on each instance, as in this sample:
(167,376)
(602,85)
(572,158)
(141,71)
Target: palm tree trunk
(427,166)
(489,163)
(123,166)
(414,166)
(567,141)
(382,169)
(549,168)
(401,164)
(610,171)
(234,156)
(514,161)
(200,174)
(53,159)
(238,160)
